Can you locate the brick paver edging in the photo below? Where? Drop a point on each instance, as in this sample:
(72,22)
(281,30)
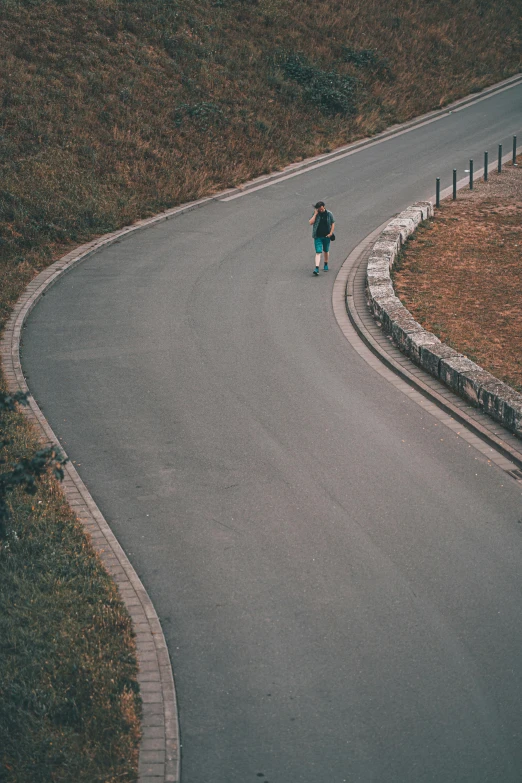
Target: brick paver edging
(455,370)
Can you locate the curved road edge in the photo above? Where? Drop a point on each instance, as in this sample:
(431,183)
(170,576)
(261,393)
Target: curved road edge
(360,329)
(159,753)
(454,369)
(294,169)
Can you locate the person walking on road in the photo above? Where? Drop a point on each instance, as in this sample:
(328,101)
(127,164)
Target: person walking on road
(323,223)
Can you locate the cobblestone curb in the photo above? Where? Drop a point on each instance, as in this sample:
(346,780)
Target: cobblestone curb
(455,370)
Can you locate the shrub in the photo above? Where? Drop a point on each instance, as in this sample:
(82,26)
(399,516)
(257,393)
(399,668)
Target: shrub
(203,115)
(367,59)
(362,58)
(28,470)
(329,91)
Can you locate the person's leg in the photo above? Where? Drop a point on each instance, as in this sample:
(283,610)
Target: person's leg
(326,252)
(318,249)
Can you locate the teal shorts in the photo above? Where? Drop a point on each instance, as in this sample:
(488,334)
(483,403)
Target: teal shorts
(322,244)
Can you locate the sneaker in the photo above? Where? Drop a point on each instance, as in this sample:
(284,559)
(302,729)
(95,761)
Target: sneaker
(326,267)
(316,270)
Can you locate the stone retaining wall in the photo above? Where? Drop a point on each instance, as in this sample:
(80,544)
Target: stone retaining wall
(459,373)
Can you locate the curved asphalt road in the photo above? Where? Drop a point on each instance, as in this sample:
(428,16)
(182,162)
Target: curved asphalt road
(338,576)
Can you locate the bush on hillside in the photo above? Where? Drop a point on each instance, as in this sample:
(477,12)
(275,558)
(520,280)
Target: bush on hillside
(329,91)
(204,115)
(28,470)
(367,59)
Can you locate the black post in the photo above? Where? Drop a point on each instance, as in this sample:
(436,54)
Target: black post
(437,192)
(454,184)
(499,158)
(514,151)
(485,167)
(471,175)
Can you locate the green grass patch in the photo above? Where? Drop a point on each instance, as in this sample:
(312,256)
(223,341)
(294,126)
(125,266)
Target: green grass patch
(69,702)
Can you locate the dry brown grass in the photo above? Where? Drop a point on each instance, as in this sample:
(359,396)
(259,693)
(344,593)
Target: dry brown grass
(461,276)
(91,131)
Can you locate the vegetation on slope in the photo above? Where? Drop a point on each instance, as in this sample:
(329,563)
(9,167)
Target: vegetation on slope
(114,109)
(69,704)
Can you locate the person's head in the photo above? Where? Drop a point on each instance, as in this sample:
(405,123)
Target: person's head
(320,207)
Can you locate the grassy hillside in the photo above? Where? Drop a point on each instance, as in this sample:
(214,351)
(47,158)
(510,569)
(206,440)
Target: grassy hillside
(114,109)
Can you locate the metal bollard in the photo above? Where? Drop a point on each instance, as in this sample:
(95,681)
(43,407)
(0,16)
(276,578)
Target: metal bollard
(454,184)
(437,192)
(485,167)
(471,175)
(515,151)
(499,158)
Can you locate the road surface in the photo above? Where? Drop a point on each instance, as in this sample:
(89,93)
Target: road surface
(338,576)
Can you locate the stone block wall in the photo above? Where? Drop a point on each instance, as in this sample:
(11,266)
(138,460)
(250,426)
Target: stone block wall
(455,370)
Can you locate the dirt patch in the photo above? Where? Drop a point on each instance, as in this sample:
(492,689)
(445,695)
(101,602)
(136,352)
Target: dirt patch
(461,274)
